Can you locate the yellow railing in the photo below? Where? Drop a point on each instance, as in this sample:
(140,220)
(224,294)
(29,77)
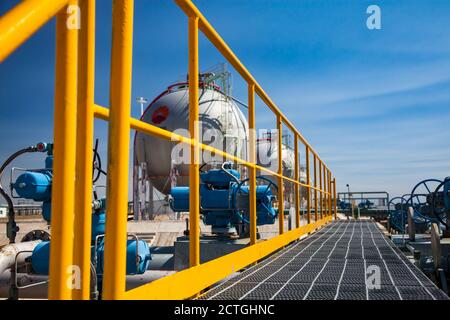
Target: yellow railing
(73,134)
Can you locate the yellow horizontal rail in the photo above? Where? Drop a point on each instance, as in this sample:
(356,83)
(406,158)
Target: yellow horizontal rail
(189,282)
(144,127)
(21,22)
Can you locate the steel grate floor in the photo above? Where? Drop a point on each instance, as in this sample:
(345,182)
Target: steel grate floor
(331,264)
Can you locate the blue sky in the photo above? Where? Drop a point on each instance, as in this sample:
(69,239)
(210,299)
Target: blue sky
(375,104)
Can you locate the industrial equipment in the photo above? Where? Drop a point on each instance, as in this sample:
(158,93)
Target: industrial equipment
(222,125)
(343,205)
(429,205)
(396,214)
(219,116)
(36,185)
(267,157)
(224,200)
(440,204)
(373,204)
(421,200)
(11,226)
(421,218)
(366,204)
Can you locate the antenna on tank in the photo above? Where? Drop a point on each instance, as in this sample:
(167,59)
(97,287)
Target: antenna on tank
(142,101)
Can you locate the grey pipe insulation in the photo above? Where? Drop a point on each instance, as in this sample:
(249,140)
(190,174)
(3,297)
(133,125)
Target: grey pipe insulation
(9,253)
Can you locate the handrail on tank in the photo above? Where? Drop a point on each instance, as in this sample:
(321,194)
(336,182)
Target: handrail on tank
(73,134)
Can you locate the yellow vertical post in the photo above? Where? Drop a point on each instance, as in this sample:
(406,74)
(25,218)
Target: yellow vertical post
(325,187)
(334,199)
(280,179)
(325,183)
(308,182)
(321,189)
(297,179)
(63,190)
(85,132)
(252,159)
(118,148)
(329,193)
(330,212)
(316,206)
(194,178)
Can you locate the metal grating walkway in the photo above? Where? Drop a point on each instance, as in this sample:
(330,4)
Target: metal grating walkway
(331,264)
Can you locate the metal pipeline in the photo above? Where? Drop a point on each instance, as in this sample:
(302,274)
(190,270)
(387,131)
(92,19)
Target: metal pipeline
(9,252)
(11,226)
(36,286)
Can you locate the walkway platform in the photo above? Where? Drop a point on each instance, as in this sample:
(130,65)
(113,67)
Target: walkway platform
(331,264)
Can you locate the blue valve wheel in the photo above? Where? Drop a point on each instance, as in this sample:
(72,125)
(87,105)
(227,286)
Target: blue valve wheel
(418,200)
(437,211)
(398,213)
(245,191)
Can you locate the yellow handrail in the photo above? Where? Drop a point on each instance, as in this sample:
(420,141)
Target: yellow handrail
(18,24)
(191,11)
(144,127)
(73,135)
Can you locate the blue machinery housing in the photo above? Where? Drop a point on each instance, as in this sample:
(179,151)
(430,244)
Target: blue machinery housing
(224,200)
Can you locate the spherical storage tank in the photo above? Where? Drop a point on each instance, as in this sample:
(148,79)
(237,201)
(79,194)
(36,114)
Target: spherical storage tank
(170,111)
(267,156)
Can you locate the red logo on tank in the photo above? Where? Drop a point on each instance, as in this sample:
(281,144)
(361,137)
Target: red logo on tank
(160,115)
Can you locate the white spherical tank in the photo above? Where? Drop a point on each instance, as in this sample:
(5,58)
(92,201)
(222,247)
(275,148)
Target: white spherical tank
(223,126)
(267,156)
